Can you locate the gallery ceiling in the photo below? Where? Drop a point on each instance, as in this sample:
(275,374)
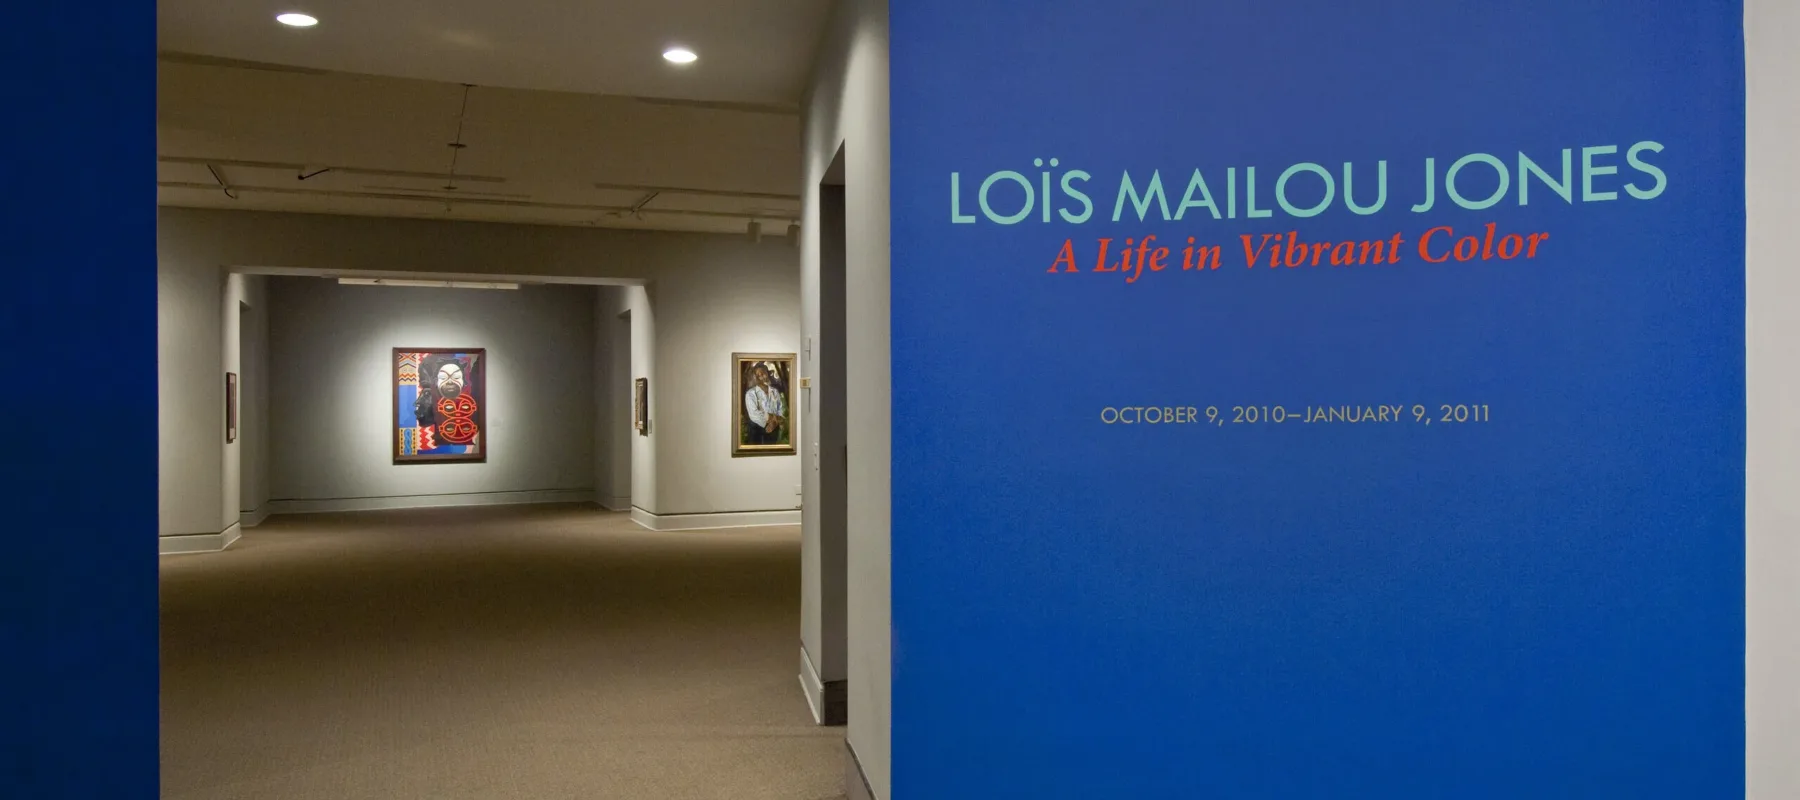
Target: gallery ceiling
(536,112)
(258,139)
(750,52)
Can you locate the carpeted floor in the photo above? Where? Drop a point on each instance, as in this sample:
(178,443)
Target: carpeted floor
(534,653)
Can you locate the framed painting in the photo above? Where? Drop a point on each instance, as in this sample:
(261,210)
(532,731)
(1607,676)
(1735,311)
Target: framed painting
(640,406)
(231,407)
(760,399)
(440,405)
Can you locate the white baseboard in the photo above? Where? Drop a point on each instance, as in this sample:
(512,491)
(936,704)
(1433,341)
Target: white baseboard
(812,686)
(856,781)
(199,542)
(700,522)
(615,503)
(829,701)
(430,501)
(251,519)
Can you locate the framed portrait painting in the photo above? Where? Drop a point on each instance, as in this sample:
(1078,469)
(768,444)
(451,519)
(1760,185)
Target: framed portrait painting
(761,401)
(440,405)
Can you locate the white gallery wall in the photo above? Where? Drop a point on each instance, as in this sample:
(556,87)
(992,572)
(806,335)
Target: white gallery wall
(725,292)
(614,434)
(190,395)
(1772,332)
(847,106)
(246,350)
(331,388)
(700,322)
(211,324)
(680,332)
(618,388)
(631,341)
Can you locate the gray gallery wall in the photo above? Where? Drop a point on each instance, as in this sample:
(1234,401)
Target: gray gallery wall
(331,393)
(847,106)
(1772,504)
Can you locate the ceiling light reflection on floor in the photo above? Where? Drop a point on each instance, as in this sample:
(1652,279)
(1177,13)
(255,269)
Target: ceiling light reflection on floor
(294,19)
(680,55)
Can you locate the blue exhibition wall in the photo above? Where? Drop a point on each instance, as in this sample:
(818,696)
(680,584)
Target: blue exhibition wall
(1298,398)
(78,503)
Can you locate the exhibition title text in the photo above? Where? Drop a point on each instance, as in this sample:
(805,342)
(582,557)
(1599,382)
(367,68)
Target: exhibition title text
(1474,182)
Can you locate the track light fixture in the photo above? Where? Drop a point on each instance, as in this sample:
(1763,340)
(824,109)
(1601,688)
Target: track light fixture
(427,284)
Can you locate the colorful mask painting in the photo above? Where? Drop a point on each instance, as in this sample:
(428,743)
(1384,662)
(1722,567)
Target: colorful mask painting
(440,399)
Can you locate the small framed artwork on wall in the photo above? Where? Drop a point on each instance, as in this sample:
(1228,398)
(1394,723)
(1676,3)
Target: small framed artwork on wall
(440,405)
(231,407)
(640,406)
(760,399)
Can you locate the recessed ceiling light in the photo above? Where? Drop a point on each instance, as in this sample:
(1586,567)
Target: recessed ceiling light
(297,20)
(680,55)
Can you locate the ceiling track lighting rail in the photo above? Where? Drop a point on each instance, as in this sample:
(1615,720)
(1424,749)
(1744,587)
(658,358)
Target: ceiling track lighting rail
(304,171)
(442,194)
(638,207)
(718,105)
(633,187)
(478,201)
(226,187)
(218,62)
(457,145)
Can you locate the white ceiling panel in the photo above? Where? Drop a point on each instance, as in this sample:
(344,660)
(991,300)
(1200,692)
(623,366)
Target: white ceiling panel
(750,52)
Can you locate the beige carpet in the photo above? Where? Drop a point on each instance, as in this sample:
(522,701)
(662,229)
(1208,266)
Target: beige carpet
(489,654)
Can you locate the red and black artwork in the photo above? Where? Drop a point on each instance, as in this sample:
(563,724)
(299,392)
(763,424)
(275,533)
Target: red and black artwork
(440,398)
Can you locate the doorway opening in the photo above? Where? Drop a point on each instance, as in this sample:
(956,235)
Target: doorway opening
(827,456)
(620,397)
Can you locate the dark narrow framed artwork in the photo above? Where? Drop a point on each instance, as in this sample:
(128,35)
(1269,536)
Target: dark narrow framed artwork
(440,405)
(640,406)
(231,407)
(760,398)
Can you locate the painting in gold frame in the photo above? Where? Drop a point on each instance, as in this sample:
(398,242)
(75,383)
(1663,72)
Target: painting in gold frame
(761,404)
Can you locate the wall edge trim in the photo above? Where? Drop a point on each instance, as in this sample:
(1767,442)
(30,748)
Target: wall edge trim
(856,782)
(187,543)
(713,520)
(811,687)
(522,497)
(830,700)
